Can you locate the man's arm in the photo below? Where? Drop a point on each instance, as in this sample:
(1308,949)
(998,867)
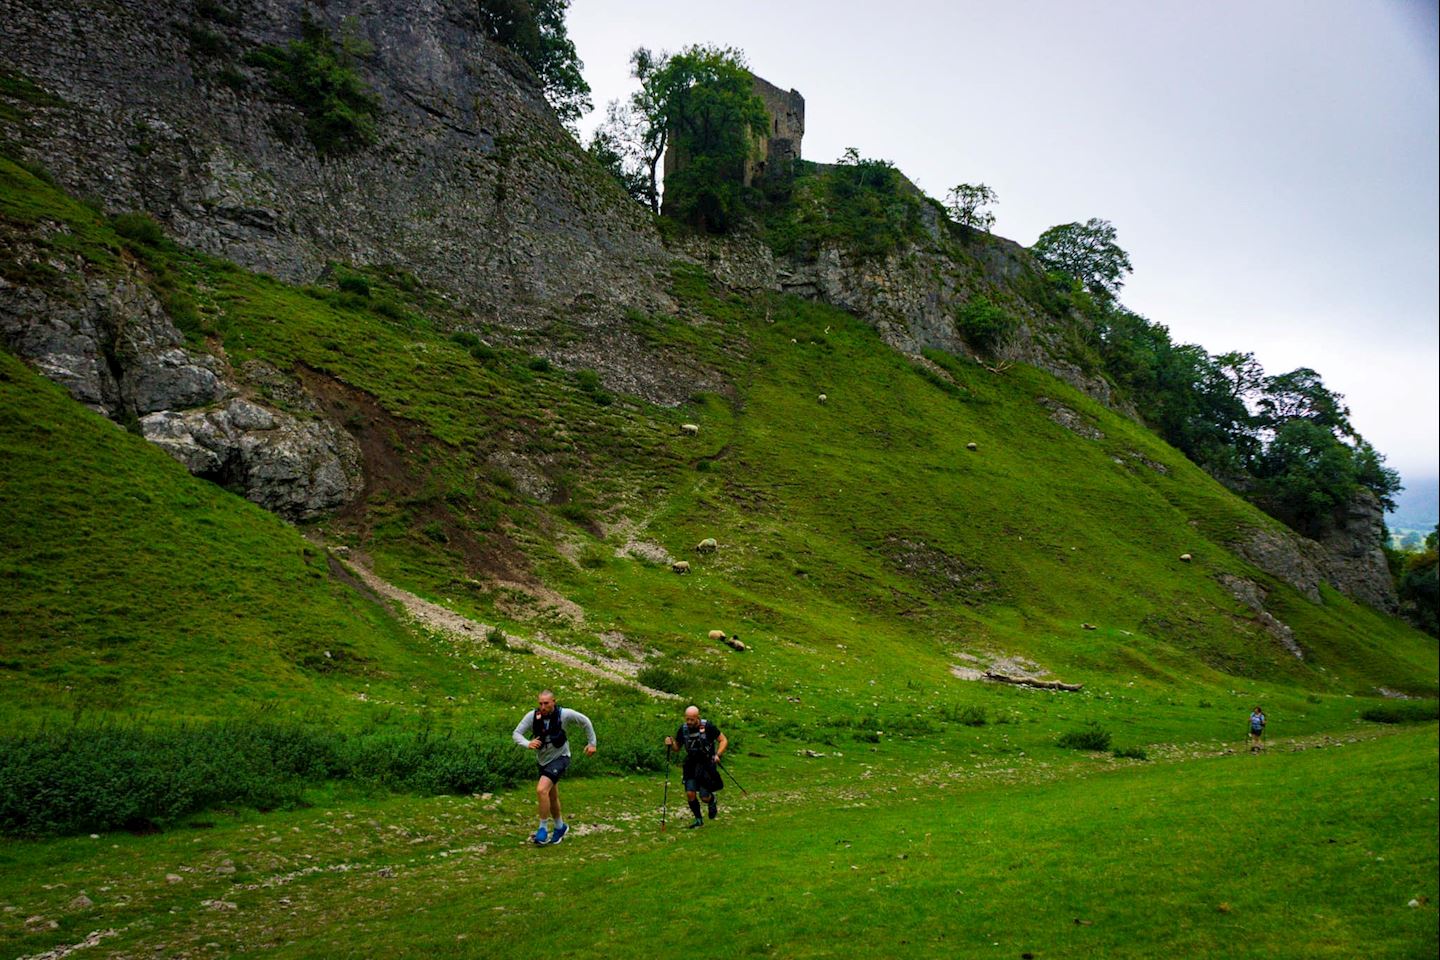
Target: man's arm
(720,746)
(523,730)
(576,716)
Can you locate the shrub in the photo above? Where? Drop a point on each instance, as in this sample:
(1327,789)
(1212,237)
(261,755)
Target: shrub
(984,325)
(353,283)
(661,677)
(593,556)
(1403,712)
(588,380)
(139,227)
(1130,753)
(970,716)
(465,339)
(539,364)
(1093,737)
(319,78)
(483,352)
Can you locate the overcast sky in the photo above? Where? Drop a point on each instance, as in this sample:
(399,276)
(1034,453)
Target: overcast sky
(1270,165)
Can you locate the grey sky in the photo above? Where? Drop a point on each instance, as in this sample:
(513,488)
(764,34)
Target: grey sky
(1270,165)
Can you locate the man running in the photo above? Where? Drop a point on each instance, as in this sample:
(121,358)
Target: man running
(704,745)
(543,729)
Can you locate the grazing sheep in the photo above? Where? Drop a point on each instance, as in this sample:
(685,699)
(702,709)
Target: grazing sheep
(708,545)
(717,634)
(972,445)
(735,644)
(690,429)
(1186,558)
(1087,626)
(822,398)
(680,566)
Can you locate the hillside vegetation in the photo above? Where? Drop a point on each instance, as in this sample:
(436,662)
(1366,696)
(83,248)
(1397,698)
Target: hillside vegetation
(931,519)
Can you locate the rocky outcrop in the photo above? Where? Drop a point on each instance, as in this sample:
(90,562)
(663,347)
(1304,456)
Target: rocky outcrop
(1348,556)
(107,340)
(1252,595)
(1354,556)
(473,185)
(298,469)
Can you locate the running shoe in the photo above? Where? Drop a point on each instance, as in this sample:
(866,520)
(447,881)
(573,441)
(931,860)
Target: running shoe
(540,838)
(560,830)
(697,822)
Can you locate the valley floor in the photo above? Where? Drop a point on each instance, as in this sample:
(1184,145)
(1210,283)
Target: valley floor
(1323,846)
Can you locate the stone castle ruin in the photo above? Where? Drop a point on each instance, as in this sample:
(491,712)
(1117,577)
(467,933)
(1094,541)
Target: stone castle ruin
(779,151)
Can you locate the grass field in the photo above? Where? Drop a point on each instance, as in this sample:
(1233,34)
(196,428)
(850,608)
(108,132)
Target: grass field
(1314,849)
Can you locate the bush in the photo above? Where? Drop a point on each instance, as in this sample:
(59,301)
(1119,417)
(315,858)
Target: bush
(1403,712)
(139,227)
(1093,737)
(661,677)
(319,78)
(539,364)
(1131,753)
(984,325)
(105,777)
(353,283)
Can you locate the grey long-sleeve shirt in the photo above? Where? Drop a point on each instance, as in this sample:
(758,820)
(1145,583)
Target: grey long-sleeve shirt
(525,732)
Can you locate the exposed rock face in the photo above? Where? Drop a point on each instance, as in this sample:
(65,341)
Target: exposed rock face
(298,469)
(1348,557)
(1354,557)
(1252,595)
(473,186)
(108,341)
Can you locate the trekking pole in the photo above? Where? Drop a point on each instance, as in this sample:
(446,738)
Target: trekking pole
(743,791)
(665,804)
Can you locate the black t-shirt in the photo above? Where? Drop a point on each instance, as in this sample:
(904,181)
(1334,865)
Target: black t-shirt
(700,742)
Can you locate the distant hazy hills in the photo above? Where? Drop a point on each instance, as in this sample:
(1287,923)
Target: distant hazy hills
(1417,507)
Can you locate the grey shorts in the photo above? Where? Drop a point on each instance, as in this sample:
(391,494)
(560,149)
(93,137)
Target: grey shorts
(555,769)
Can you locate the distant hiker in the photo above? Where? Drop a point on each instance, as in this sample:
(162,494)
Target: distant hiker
(704,745)
(543,730)
(1257,730)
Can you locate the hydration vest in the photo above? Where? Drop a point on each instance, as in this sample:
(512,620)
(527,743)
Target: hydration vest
(548,730)
(1257,722)
(696,742)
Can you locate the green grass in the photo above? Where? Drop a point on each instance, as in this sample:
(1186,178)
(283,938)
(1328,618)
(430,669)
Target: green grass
(865,551)
(1288,854)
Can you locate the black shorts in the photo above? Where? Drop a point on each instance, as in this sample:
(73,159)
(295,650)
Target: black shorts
(701,777)
(556,768)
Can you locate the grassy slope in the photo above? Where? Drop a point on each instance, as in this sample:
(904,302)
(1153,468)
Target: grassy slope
(863,549)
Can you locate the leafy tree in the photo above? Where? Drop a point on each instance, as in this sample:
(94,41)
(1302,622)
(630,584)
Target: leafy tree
(1088,252)
(535,29)
(614,145)
(1417,582)
(966,202)
(705,97)
(1302,395)
(631,141)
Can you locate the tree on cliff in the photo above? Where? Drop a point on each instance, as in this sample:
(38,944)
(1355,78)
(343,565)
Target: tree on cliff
(966,205)
(1088,252)
(535,29)
(702,100)
(632,140)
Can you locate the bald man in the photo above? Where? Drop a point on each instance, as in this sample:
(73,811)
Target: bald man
(544,731)
(704,745)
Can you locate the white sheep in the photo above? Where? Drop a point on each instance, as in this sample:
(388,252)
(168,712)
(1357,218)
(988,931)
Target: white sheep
(717,634)
(680,566)
(708,545)
(1186,558)
(690,429)
(822,398)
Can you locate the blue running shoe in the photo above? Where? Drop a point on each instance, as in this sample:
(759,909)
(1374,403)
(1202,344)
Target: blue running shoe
(560,830)
(540,837)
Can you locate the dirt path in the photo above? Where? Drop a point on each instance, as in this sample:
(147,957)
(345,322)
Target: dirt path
(436,617)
